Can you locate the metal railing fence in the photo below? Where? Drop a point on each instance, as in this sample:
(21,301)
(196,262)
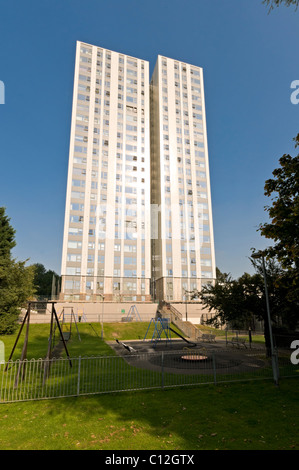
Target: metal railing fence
(38,379)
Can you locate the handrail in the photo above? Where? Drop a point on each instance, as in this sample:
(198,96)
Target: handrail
(173,310)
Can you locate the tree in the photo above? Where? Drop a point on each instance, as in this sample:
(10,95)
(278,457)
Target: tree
(233,301)
(276,3)
(16,286)
(16,280)
(284,307)
(239,302)
(43,280)
(7,236)
(283,228)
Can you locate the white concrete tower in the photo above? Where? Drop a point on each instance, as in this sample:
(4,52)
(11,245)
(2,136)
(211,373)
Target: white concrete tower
(183,255)
(106,245)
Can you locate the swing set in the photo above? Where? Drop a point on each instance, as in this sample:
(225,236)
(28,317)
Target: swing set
(67,318)
(54,323)
(160,325)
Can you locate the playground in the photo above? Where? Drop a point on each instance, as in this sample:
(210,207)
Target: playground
(161,358)
(163,346)
(176,357)
(77,357)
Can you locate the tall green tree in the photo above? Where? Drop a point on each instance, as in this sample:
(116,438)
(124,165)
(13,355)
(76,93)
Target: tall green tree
(7,236)
(283,228)
(16,279)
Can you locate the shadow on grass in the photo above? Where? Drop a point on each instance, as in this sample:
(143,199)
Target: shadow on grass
(234,416)
(88,342)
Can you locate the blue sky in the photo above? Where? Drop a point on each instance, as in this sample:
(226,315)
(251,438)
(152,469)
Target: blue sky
(249,57)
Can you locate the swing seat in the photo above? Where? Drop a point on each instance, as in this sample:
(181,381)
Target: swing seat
(66,336)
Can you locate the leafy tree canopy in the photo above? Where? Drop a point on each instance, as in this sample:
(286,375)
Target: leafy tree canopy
(16,280)
(239,302)
(283,228)
(43,280)
(7,236)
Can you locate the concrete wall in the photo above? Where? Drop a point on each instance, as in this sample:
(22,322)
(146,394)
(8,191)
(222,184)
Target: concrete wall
(116,311)
(192,311)
(96,311)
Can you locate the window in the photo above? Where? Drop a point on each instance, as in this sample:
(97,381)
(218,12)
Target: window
(206,274)
(73,257)
(73,271)
(80,149)
(205,251)
(75,231)
(78,183)
(130,248)
(77,195)
(76,219)
(129,273)
(129,260)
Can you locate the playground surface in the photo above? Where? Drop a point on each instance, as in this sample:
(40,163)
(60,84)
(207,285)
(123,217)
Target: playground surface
(178,357)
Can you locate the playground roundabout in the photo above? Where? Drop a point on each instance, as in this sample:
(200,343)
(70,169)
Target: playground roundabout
(177,357)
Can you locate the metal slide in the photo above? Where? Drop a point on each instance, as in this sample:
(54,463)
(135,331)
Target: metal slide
(178,334)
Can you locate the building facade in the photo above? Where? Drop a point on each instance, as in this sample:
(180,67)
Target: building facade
(106,246)
(138,215)
(183,256)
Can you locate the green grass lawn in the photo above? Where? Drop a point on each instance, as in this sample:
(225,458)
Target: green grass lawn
(89,334)
(228,417)
(254,415)
(257,338)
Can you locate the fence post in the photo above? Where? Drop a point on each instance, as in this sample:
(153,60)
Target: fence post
(275,366)
(78,382)
(162,370)
(214,368)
